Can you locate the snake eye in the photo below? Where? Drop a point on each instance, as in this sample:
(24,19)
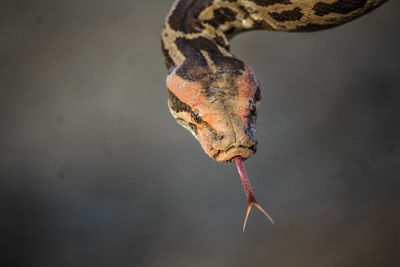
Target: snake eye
(196,117)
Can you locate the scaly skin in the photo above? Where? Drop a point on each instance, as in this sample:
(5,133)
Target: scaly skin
(215,95)
(212,93)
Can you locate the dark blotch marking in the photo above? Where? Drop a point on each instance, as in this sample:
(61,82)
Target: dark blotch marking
(221,42)
(221,15)
(257,95)
(195,67)
(253,110)
(196,117)
(176,104)
(184,18)
(262,25)
(231,32)
(193,127)
(229,65)
(290,15)
(271,2)
(340,7)
(191,47)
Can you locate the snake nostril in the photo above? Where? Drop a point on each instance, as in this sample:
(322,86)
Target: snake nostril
(253,147)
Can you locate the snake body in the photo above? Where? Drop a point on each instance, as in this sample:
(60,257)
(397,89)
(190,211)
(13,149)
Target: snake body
(212,93)
(215,95)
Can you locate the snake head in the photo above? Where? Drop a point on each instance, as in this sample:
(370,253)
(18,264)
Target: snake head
(219,109)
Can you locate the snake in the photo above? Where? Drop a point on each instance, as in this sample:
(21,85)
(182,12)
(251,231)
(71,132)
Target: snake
(215,95)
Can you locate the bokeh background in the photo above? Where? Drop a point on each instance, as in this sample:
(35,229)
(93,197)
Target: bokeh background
(95,171)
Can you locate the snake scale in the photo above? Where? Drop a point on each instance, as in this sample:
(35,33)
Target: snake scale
(212,93)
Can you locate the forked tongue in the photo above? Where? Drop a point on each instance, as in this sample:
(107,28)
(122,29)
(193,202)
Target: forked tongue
(249,191)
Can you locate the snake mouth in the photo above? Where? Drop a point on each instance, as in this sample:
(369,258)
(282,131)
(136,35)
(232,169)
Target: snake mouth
(233,151)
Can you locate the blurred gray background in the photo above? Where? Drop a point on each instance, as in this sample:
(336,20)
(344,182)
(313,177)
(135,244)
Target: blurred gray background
(95,171)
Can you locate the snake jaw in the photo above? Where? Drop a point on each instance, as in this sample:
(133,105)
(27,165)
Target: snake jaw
(230,153)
